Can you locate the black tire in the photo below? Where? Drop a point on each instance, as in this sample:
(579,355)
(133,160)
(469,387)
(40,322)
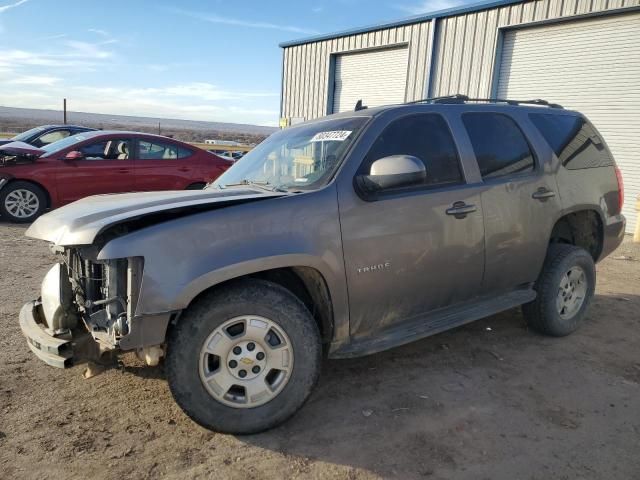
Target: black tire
(17,186)
(196,186)
(543,314)
(247,297)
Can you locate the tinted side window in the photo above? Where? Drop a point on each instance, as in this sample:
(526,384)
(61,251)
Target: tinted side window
(574,141)
(157,151)
(499,145)
(107,150)
(426,137)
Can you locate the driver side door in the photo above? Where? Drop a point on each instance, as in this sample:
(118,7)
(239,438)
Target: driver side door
(107,167)
(406,252)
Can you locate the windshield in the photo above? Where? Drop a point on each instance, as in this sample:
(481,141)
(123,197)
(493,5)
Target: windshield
(62,144)
(21,137)
(297,158)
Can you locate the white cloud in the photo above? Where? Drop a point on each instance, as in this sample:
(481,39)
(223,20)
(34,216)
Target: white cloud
(77,54)
(52,37)
(102,33)
(85,49)
(4,8)
(201,90)
(190,101)
(41,80)
(318,9)
(428,6)
(213,18)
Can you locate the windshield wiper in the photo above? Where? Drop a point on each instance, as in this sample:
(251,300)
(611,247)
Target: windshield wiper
(264,185)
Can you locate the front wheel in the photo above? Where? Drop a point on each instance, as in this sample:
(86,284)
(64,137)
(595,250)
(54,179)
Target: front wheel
(244,358)
(565,289)
(22,202)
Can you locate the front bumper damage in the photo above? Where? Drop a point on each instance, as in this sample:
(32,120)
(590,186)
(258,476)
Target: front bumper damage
(61,349)
(55,351)
(87,309)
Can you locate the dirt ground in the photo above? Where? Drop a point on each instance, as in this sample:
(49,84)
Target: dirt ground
(491,400)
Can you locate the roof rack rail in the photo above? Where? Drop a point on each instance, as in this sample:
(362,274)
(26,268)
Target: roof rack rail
(459,98)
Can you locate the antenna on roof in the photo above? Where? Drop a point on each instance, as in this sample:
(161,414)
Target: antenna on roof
(359,106)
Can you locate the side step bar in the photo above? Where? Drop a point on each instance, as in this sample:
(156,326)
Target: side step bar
(431,324)
(54,351)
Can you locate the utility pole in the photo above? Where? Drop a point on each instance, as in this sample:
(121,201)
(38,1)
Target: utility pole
(159,129)
(64,110)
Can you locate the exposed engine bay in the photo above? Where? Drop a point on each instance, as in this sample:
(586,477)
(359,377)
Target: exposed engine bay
(10,158)
(89,303)
(104,292)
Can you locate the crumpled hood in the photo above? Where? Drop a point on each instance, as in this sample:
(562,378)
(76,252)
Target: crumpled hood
(80,222)
(20,148)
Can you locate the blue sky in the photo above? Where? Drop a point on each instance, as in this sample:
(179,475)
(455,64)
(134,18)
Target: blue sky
(201,60)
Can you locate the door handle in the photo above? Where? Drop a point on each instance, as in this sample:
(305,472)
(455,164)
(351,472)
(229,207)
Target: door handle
(184,169)
(460,209)
(543,193)
(123,170)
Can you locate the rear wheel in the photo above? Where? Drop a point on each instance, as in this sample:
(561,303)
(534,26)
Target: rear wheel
(244,358)
(565,289)
(22,202)
(196,186)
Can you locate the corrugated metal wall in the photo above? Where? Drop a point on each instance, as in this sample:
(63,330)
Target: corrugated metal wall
(306,67)
(466,43)
(465,52)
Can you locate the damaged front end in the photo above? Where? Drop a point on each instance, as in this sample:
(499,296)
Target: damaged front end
(10,159)
(86,308)
(17,153)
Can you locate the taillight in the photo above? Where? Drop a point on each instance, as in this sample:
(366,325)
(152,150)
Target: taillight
(620,188)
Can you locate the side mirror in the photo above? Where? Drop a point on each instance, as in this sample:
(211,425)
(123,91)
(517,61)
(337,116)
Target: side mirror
(74,155)
(395,171)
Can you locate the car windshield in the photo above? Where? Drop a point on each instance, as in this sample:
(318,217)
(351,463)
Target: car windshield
(21,137)
(62,144)
(297,158)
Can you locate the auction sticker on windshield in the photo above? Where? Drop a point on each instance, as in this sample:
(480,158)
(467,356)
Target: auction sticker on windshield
(332,136)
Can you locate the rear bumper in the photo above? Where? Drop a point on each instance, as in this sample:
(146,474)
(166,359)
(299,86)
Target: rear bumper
(54,351)
(613,234)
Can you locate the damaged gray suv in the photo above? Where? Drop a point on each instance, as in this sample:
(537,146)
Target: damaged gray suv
(342,236)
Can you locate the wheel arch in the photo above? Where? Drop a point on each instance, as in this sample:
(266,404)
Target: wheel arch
(307,283)
(582,227)
(47,194)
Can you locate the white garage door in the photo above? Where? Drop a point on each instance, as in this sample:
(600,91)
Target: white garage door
(592,66)
(377,78)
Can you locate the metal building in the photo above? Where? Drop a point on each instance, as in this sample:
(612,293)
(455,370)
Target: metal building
(583,54)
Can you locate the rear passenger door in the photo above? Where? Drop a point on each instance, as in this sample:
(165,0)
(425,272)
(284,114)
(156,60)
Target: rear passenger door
(519,201)
(406,251)
(163,165)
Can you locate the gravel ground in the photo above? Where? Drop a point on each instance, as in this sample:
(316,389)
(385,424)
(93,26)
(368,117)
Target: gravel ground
(490,400)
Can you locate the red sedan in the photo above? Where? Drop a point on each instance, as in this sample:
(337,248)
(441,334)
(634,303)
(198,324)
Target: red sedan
(34,179)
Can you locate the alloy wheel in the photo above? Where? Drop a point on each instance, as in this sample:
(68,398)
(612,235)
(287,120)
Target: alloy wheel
(571,292)
(22,203)
(246,361)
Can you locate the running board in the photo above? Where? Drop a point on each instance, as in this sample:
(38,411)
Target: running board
(431,324)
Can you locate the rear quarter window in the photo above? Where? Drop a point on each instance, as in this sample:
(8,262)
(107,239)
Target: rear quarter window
(574,141)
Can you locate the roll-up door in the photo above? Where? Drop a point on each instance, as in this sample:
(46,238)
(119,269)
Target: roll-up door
(377,77)
(592,66)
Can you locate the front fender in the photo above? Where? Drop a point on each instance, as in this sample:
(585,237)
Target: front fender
(185,256)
